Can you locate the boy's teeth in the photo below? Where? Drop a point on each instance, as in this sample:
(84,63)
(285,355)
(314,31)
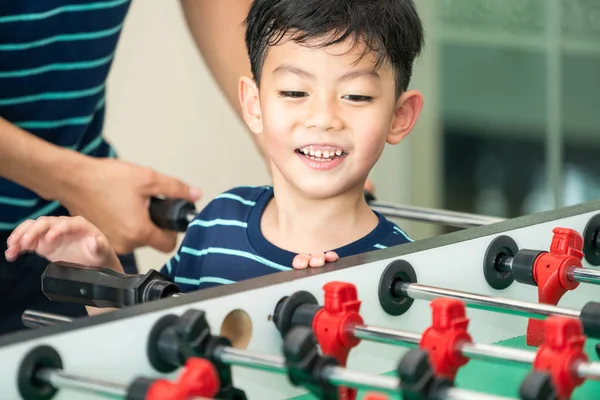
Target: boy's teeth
(322,152)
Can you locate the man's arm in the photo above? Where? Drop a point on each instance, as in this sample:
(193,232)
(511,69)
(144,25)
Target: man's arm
(34,163)
(112,194)
(218,31)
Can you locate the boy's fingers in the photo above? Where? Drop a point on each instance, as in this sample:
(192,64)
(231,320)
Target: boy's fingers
(331,256)
(301,261)
(12,252)
(60,228)
(17,233)
(35,231)
(97,246)
(317,260)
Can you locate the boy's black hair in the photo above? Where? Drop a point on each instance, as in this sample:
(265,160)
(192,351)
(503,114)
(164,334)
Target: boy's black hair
(391,28)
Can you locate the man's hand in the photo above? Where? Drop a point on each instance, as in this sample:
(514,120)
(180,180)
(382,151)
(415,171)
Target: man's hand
(114,196)
(303,261)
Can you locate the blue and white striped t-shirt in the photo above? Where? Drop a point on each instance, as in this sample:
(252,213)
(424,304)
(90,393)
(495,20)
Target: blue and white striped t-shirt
(54,60)
(224,243)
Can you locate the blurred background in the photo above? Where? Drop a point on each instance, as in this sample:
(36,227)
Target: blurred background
(512,96)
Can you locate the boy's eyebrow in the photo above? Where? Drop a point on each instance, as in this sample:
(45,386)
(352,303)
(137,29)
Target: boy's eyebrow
(294,70)
(348,76)
(369,73)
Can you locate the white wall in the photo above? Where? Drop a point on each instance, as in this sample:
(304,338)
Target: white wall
(165,111)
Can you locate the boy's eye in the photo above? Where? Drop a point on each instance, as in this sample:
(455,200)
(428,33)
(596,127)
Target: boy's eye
(292,94)
(355,97)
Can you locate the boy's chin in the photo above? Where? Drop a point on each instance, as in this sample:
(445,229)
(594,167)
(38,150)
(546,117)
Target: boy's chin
(327,189)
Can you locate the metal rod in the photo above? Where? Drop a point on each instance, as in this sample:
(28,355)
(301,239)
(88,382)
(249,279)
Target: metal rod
(63,380)
(60,379)
(383,335)
(245,358)
(38,319)
(335,375)
(442,217)
(470,350)
(578,274)
(477,301)
(360,380)
(585,275)
(590,370)
(485,351)
(454,393)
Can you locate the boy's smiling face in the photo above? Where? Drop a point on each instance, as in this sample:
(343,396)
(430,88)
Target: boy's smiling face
(324,114)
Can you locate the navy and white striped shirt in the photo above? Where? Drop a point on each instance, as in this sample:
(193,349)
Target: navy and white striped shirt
(224,243)
(54,60)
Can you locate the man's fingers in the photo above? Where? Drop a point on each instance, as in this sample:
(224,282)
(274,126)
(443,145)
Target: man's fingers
(174,189)
(161,240)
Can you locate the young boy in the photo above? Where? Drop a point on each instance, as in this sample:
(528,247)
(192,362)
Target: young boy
(329,90)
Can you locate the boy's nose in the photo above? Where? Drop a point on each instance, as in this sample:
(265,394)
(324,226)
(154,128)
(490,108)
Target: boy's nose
(324,116)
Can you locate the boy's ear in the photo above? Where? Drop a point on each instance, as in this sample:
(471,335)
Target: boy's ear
(250,102)
(407,112)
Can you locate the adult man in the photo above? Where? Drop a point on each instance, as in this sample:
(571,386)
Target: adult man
(54,61)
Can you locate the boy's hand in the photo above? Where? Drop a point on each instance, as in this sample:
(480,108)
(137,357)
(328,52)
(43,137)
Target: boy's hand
(71,239)
(303,261)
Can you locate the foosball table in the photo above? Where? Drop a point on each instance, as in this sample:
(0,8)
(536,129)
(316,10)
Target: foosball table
(504,310)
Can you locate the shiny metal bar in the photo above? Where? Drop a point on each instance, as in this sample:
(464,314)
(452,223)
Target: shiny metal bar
(469,350)
(589,370)
(477,301)
(383,335)
(60,379)
(441,217)
(461,394)
(485,351)
(335,375)
(63,380)
(585,275)
(38,319)
(361,381)
(245,358)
